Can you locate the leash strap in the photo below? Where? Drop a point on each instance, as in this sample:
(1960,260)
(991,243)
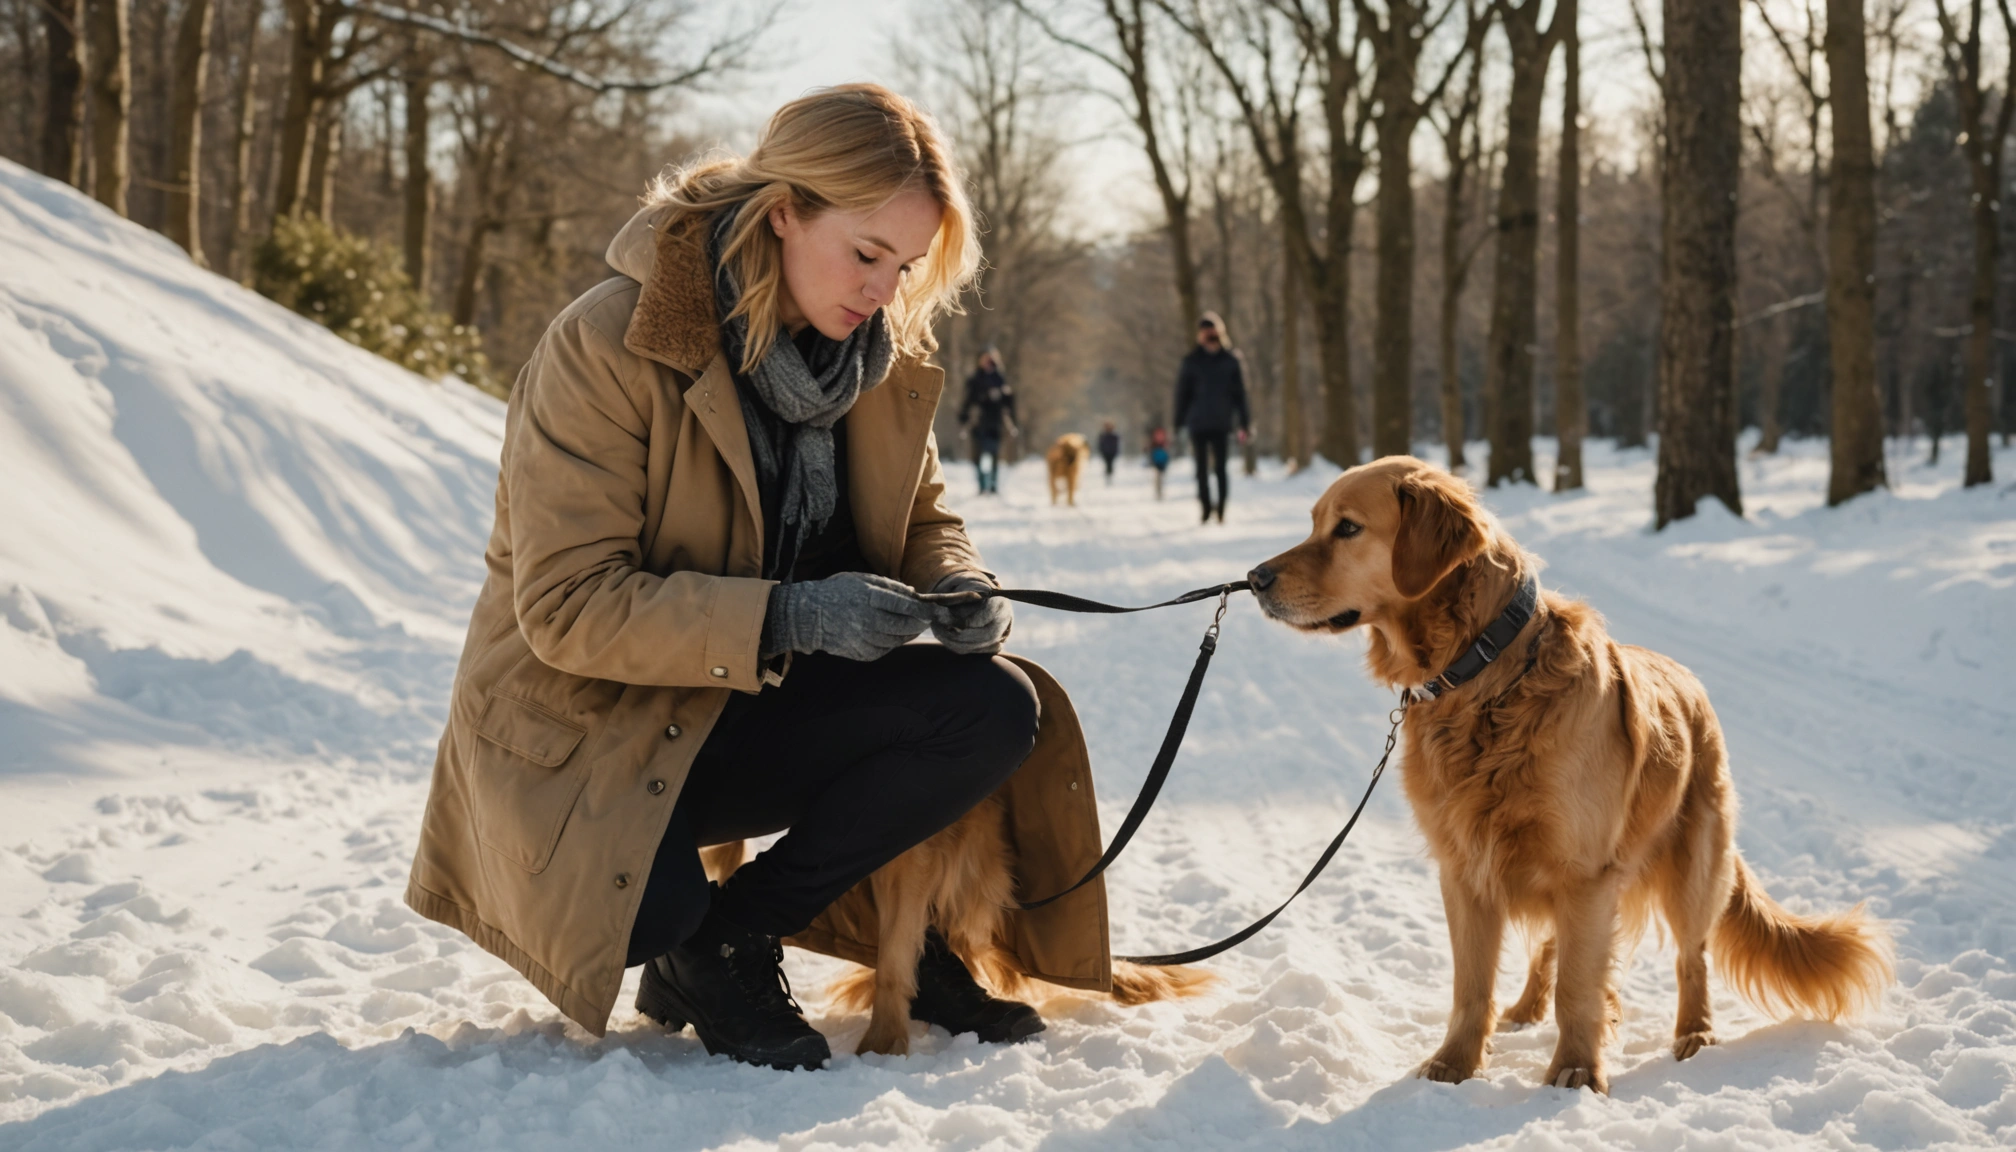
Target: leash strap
(1172,741)
(1244,934)
(1043,598)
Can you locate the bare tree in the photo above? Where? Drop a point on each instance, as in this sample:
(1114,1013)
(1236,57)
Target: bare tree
(1801,53)
(107,23)
(1461,130)
(1703,154)
(1857,436)
(1266,79)
(1396,51)
(239,243)
(1508,365)
(1983,137)
(62,119)
(1133,55)
(1571,408)
(185,150)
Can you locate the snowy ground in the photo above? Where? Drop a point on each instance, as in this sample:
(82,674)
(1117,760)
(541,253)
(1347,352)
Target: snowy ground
(232,582)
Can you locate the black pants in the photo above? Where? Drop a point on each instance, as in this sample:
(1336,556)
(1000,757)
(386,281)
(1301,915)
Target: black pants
(1211,450)
(859,761)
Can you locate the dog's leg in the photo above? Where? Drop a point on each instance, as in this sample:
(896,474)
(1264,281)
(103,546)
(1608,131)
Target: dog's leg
(903,908)
(1476,930)
(1532,1005)
(1585,931)
(1694,885)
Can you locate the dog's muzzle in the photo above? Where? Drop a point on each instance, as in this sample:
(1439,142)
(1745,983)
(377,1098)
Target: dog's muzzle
(1344,619)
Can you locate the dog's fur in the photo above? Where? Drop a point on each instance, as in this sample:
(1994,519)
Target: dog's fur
(1576,795)
(1066,459)
(961,881)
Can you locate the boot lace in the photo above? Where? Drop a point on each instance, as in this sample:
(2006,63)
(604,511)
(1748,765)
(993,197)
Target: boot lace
(760,976)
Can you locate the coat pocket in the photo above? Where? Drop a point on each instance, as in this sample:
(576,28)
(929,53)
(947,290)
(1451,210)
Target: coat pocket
(524,788)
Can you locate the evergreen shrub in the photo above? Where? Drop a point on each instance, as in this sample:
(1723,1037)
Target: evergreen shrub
(357,288)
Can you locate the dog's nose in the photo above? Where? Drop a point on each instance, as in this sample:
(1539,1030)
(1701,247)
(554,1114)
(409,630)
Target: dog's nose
(1262,578)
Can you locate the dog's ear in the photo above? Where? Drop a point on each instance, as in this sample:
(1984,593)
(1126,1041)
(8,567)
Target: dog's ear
(1440,528)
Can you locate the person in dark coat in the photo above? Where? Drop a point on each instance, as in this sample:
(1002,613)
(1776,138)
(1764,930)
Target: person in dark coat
(1211,405)
(988,414)
(1109,448)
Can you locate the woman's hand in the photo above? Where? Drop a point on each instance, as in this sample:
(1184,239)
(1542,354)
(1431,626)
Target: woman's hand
(977,628)
(854,615)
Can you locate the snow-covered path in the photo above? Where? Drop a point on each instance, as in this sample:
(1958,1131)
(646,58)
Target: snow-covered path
(252,937)
(230,597)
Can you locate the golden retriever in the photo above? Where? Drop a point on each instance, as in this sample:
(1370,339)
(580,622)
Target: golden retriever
(1575,786)
(1066,459)
(961,881)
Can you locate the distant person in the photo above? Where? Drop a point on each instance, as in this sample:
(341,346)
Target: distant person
(987,414)
(1109,448)
(1211,405)
(1158,455)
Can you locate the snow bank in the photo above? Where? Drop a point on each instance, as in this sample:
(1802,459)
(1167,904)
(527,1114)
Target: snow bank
(231,595)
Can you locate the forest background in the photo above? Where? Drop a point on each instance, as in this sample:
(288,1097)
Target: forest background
(1424,222)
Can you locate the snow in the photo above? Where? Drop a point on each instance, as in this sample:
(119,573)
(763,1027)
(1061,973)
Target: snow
(237,559)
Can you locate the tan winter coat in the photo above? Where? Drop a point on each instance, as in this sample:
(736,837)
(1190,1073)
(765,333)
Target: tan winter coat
(623,605)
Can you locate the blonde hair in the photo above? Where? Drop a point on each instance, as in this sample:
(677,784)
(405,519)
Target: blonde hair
(852,148)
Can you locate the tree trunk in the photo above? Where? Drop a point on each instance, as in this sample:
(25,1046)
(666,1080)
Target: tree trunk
(1508,369)
(1571,410)
(1393,323)
(1857,464)
(1453,275)
(1776,337)
(62,152)
(1294,441)
(1697,393)
(1978,377)
(307,54)
(1333,342)
(470,279)
(237,253)
(108,25)
(418,195)
(185,150)
(324,154)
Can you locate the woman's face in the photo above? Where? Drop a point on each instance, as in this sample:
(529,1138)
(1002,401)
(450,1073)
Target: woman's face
(839,267)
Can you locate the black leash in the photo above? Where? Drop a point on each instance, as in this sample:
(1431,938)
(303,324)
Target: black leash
(1172,741)
(1479,655)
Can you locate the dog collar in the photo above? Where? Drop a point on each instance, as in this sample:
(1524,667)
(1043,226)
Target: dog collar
(1497,636)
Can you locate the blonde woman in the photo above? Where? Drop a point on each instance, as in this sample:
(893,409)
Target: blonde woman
(719,500)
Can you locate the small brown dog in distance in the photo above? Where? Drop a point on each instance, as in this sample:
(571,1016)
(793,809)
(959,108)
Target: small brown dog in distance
(1066,459)
(959,881)
(1575,786)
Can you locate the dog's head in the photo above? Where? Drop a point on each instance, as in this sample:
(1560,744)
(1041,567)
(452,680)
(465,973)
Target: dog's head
(1384,535)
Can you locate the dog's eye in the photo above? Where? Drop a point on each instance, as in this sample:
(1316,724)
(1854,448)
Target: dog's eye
(1346,529)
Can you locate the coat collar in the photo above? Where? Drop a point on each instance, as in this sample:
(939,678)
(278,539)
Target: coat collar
(675,321)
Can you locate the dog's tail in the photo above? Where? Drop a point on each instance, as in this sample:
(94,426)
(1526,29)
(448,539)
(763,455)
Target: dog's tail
(1145,983)
(1822,966)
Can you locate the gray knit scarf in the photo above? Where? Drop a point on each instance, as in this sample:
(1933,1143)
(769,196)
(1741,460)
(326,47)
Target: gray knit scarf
(808,391)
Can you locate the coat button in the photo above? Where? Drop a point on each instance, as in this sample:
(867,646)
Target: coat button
(655,787)
(913,394)
(672,731)
(622,879)
(718,671)
(1074,785)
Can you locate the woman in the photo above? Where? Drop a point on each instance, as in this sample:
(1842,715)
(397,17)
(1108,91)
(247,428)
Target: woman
(719,498)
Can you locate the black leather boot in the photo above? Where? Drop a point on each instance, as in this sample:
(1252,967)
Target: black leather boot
(729,983)
(948,996)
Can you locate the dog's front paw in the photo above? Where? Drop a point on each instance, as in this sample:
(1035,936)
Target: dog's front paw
(1446,1069)
(1594,1078)
(886,1037)
(1692,1042)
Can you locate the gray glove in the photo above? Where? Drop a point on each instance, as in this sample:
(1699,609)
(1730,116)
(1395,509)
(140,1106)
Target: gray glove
(980,627)
(853,615)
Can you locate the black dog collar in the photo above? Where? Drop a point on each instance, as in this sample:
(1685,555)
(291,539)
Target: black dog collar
(1497,636)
